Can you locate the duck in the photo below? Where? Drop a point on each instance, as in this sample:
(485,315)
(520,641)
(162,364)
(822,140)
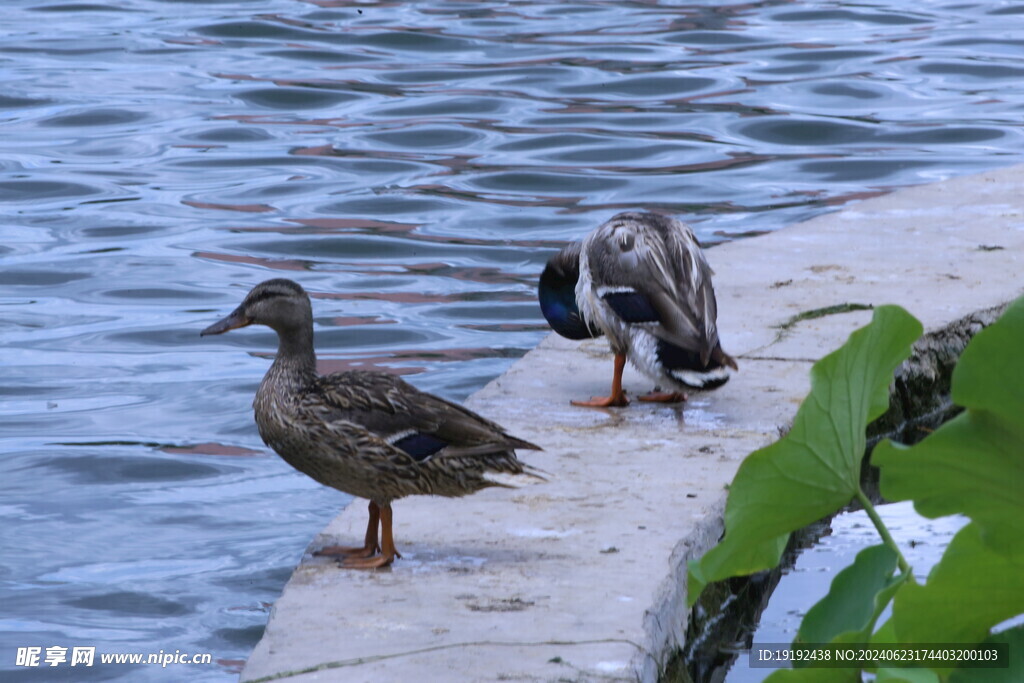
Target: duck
(641,280)
(366,433)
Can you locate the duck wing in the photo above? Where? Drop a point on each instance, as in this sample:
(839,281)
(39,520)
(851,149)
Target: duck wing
(684,297)
(650,270)
(422,425)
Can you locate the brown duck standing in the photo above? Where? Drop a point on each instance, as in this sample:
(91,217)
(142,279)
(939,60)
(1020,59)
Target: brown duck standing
(368,434)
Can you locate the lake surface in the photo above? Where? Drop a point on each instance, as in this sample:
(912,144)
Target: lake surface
(412,165)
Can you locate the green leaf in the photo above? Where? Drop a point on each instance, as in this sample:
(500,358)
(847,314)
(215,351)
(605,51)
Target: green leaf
(857,596)
(740,559)
(969,591)
(1014,637)
(886,633)
(906,676)
(973,464)
(815,469)
(855,599)
(987,377)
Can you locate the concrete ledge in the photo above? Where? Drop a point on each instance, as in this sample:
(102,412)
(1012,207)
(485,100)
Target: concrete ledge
(583,577)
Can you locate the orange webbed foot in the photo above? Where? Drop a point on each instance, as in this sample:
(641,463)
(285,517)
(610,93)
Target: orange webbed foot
(347,551)
(617,399)
(613,401)
(370,546)
(388,552)
(377,562)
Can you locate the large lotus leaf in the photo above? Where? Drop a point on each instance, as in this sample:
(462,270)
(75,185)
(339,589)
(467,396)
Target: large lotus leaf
(855,599)
(973,464)
(1014,673)
(815,469)
(989,372)
(886,633)
(969,591)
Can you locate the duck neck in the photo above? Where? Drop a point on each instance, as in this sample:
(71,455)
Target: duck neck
(295,363)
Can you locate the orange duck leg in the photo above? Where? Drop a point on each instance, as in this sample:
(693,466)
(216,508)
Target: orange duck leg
(388,552)
(618,396)
(370,546)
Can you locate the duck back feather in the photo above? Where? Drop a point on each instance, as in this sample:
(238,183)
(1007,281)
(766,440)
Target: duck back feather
(642,280)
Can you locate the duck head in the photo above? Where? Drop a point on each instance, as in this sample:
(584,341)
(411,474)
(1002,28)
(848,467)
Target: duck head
(557,294)
(280,304)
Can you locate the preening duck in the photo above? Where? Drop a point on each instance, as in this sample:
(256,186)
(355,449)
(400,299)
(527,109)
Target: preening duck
(642,280)
(369,434)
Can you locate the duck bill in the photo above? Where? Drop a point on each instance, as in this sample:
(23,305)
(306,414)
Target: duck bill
(233,321)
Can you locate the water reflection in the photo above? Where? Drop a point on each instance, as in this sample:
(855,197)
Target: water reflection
(412,165)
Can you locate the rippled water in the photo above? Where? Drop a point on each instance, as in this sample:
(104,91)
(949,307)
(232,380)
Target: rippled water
(412,164)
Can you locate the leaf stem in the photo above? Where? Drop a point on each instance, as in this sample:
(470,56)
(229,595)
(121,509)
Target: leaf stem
(883,531)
